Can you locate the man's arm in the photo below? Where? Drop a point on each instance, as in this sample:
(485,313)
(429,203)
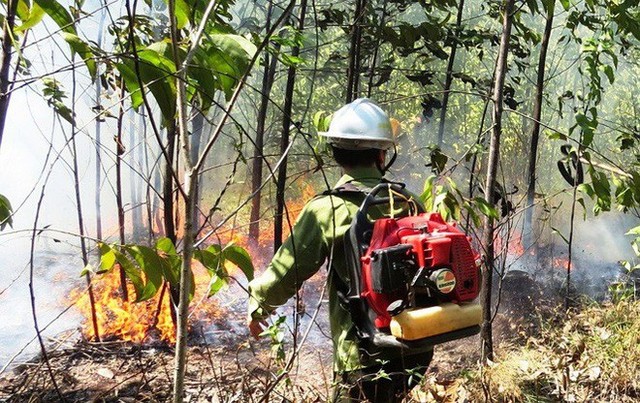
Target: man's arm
(299,258)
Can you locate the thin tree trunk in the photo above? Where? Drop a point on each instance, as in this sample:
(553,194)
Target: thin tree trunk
(353,72)
(5,63)
(374,58)
(119,204)
(99,120)
(284,143)
(76,183)
(492,169)
(449,76)
(191,199)
(167,188)
(535,133)
(134,169)
(270,65)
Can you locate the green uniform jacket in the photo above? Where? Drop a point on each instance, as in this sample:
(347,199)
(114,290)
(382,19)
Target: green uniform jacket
(317,236)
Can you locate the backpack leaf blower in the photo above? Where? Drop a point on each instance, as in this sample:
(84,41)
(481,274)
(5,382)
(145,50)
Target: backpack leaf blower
(412,279)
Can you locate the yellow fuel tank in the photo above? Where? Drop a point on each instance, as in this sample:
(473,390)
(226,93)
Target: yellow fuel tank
(414,324)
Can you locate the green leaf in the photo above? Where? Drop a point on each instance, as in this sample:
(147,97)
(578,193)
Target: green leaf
(427,193)
(209,259)
(215,285)
(58,14)
(30,17)
(566,4)
(229,57)
(107,257)
(150,263)
(485,208)
(182,11)
(88,269)
(556,136)
(164,244)
(131,83)
(5,213)
(240,257)
(82,48)
(132,274)
(634,231)
(156,72)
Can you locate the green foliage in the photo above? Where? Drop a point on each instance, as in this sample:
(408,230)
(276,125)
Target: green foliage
(54,95)
(6,212)
(58,14)
(83,49)
(30,15)
(276,336)
(147,267)
(442,195)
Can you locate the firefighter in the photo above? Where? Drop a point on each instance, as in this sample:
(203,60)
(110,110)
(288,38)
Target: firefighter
(360,134)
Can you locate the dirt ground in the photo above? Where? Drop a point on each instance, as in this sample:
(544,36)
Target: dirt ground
(235,368)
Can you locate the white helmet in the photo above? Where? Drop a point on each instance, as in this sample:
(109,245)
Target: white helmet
(360,125)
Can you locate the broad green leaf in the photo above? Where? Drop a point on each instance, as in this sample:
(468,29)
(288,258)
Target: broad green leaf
(58,14)
(210,260)
(5,213)
(215,285)
(240,257)
(171,263)
(485,208)
(229,59)
(132,274)
(82,48)
(131,83)
(150,263)
(182,11)
(164,244)
(427,193)
(156,72)
(29,17)
(107,257)
(205,82)
(566,4)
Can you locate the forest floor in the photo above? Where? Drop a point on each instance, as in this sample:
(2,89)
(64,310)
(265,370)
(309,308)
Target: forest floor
(234,369)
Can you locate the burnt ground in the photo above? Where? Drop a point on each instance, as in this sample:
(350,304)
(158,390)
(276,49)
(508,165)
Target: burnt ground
(224,365)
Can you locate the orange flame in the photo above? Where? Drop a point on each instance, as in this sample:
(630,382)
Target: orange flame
(562,263)
(151,320)
(136,321)
(513,247)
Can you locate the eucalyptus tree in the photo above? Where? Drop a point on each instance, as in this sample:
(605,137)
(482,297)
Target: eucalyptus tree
(490,186)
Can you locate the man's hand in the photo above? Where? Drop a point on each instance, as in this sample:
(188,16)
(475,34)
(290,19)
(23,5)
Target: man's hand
(256,326)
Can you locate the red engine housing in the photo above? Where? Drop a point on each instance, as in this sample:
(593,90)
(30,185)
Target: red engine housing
(434,244)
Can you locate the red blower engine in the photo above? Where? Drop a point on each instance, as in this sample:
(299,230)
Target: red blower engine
(412,279)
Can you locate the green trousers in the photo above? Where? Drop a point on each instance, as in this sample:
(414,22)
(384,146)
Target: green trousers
(387,382)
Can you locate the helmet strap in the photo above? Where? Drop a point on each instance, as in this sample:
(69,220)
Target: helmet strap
(383,169)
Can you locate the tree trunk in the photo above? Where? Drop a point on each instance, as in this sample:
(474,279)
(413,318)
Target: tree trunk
(99,120)
(76,183)
(270,65)
(449,76)
(119,152)
(5,63)
(492,169)
(284,142)
(353,72)
(535,132)
(167,188)
(374,58)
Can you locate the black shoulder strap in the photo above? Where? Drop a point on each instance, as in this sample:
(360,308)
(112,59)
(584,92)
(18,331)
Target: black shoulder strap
(345,189)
